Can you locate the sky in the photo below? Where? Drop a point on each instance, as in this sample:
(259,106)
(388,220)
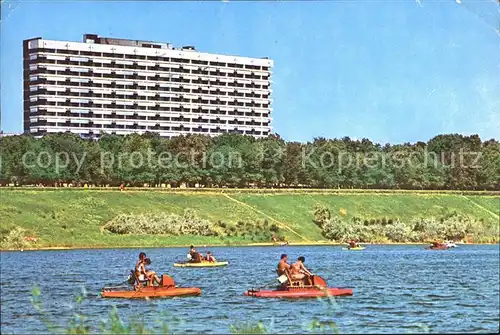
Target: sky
(392,71)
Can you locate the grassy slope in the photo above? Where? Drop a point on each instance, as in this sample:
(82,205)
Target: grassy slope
(298,209)
(67,218)
(490,203)
(74,218)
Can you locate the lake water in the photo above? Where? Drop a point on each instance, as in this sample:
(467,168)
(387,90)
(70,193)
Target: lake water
(403,289)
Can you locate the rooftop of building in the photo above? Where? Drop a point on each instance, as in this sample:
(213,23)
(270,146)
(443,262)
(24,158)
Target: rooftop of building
(96,39)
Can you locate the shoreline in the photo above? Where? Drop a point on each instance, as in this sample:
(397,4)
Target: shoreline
(262,191)
(68,219)
(261,244)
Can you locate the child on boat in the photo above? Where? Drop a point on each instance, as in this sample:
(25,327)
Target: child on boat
(210,257)
(151,275)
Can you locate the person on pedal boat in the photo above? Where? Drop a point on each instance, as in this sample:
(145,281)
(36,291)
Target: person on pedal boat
(283,265)
(192,251)
(299,272)
(210,258)
(150,275)
(195,256)
(143,274)
(139,267)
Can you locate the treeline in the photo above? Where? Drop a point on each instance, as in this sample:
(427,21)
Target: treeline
(232,160)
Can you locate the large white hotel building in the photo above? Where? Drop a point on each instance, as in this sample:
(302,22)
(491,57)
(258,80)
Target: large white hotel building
(120,86)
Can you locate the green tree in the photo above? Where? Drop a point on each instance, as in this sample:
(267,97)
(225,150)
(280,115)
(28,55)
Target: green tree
(272,151)
(12,150)
(488,174)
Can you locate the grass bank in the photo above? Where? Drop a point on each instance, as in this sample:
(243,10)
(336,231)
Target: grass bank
(74,218)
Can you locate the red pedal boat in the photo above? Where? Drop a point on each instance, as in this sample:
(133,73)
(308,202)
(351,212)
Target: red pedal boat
(438,246)
(297,290)
(166,288)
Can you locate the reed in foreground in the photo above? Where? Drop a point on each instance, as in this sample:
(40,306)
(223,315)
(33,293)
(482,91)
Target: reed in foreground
(80,324)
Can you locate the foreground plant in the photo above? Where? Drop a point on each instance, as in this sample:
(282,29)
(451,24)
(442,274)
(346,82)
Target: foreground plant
(80,324)
(248,328)
(323,327)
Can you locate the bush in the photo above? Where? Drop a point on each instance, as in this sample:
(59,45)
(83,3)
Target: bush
(14,239)
(399,232)
(457,227)
(161,224)
(338,230)
(187,224)
(274,228)
(450,227)
(321,215)
(369,233)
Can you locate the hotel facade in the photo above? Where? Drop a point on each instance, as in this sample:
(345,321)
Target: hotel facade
(120,86)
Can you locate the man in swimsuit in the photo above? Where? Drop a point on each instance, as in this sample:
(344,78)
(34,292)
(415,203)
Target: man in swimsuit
(299,272)
(283,265)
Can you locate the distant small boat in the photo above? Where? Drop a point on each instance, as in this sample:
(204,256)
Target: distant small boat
(354,249)
(200,265)
(440,246)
